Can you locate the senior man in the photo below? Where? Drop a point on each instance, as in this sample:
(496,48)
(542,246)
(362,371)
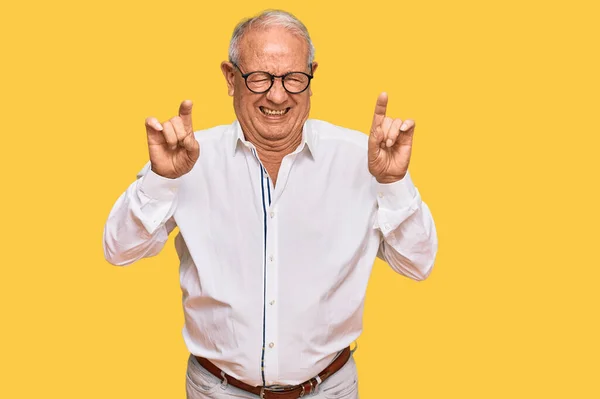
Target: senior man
(280,219)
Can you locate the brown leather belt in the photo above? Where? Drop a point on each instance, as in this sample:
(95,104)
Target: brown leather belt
(292,392)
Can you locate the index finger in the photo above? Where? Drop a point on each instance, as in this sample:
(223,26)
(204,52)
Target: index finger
(380,109)
(185,112)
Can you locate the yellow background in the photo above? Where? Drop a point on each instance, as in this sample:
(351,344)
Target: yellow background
(505,95)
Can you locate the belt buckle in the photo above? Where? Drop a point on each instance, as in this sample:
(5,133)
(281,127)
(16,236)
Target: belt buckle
(312,388)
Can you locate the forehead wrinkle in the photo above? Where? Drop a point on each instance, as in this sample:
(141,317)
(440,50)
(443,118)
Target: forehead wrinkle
(277,54)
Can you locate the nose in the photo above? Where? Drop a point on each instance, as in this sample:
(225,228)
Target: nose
(277,93)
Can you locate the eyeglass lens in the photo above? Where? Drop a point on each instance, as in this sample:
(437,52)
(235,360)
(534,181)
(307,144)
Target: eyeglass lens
(261,82)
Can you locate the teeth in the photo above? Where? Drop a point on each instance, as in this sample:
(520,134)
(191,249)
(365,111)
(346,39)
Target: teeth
(273,112)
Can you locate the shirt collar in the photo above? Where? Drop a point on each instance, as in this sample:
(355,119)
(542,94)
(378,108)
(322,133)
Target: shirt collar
(238,136)
(309,138)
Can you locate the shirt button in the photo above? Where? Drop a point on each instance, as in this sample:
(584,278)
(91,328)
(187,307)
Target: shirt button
(271,258)
(380,194)
(272,214)
(271,345)
(388,226)
(272,303)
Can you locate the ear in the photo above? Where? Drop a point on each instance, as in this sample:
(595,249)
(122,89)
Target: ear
(229,73)
(314,68)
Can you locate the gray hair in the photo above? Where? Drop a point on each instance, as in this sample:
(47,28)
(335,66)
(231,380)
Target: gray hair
(268,19)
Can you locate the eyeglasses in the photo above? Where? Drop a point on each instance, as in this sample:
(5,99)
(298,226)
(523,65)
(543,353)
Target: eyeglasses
(261,82)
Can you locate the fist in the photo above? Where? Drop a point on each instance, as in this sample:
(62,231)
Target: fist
(172,146)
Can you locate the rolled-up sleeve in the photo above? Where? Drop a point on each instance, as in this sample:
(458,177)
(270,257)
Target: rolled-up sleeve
(140,221)
(409,238)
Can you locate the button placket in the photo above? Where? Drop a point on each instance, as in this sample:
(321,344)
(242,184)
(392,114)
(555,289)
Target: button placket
(272,318)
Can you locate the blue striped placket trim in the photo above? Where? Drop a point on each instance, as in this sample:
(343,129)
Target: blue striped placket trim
(262,186)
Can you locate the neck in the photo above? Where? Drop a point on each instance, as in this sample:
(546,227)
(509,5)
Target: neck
(272,151)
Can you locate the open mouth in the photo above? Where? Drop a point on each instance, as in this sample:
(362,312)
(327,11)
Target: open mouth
(273,112)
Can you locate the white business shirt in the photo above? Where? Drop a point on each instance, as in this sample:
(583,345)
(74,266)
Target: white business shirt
(274,278)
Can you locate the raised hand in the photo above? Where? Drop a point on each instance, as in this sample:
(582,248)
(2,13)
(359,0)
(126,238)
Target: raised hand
(390,144)
(172,146)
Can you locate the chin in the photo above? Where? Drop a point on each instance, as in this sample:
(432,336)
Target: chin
(277,130)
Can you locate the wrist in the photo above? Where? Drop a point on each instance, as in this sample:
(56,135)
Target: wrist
(389,179)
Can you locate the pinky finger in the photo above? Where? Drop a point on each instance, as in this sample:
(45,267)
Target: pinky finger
(407,125)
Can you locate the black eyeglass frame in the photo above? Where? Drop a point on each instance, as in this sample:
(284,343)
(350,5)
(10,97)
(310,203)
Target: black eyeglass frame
(273,77)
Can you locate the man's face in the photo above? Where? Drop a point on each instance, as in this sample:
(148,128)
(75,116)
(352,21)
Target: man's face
(275,114)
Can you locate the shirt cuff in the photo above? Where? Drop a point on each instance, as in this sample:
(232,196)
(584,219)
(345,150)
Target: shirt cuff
(396,202)
(396,195)
(157,187)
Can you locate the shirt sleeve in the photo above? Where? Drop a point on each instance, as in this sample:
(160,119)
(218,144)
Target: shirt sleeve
(142,218)
(409,238)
